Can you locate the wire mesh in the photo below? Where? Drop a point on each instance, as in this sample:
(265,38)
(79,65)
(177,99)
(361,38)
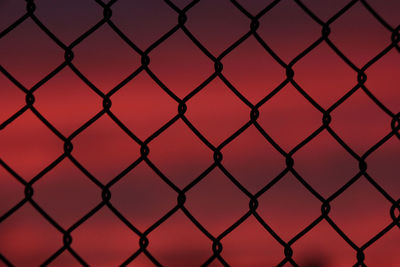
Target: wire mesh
(217,241)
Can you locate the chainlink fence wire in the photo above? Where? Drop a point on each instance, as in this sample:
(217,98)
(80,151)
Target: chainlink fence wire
(217,241)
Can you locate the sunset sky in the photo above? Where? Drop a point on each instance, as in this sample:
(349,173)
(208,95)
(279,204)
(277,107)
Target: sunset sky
(66,194)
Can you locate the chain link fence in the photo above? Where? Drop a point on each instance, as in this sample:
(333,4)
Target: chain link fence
(217,241)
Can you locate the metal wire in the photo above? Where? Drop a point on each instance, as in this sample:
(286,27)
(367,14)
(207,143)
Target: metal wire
(217,241)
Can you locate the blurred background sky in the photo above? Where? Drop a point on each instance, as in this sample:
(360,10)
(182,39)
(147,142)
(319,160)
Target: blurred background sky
(27,146)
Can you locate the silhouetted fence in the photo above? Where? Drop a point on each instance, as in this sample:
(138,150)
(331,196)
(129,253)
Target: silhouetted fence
(217,241)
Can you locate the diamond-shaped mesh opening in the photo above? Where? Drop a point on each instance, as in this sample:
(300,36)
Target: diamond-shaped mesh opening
(352,36)
(252,160)
(67,20)
(322,245)
(174,235)
(180,70)
(27,238)
(15,54)
(288,207)
(109,236)
(357,115)
(251,239)
(224,205)
(67,102)
(229,24)
(289,16)
(216,123)
(29,154)
(101,52)
(134,106)
(289,118)
(158,17)
(54,194)
(104,149)
(362,202)
(252,70)
(322,83)
(325,177)
(143,197)
(170,153)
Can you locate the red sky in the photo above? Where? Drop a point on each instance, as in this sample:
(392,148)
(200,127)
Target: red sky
(66,194)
